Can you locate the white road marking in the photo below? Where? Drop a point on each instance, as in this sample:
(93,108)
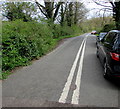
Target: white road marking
(66,88)
(76,92)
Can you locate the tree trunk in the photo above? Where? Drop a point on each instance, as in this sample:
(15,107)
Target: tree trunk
(70,14)
(76,13)
(62,16)
(117,14)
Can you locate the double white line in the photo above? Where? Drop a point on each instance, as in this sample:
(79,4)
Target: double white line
(76,92)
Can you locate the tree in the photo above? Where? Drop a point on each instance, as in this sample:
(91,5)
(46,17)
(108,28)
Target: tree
(50,9)
(19,10)
(115,8)
(72,13)
(69,14)
(116,14)
(79,12)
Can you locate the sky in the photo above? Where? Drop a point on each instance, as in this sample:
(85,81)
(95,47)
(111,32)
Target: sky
(90,4)
(94,8)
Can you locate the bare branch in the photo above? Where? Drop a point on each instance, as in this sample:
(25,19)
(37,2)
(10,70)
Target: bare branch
(98,3)
(39,6)
(57,9)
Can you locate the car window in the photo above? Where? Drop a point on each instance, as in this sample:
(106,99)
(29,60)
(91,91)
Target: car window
(102,35)
(110,38)
(116,46)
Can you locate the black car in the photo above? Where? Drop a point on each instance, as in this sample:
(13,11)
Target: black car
(108,51)
(100,37)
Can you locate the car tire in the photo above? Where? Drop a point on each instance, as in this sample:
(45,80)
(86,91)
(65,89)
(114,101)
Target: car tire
(97,53)
(106,76)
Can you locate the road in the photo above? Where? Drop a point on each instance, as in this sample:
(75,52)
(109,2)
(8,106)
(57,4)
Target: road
(71,75)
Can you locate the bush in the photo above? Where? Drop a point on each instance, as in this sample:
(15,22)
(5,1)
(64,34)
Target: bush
(25,41)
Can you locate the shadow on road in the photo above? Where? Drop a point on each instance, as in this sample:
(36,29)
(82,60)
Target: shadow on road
(115,81)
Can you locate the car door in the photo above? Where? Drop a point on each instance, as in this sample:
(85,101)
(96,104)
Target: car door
(107,45)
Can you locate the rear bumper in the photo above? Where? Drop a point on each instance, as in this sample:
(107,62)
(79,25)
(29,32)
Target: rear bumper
(113,74)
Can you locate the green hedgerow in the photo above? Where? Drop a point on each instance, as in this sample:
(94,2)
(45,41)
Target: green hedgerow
(25,41)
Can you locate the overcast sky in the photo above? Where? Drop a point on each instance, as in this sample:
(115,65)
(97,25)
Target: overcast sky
(94,8)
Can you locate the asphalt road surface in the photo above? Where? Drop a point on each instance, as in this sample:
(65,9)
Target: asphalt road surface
(71,75)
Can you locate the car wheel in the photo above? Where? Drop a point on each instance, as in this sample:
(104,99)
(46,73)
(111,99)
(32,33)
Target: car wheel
(106,76)
(97,53)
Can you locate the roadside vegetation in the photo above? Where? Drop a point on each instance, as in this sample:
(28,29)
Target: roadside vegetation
(26,41)
(100,24)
